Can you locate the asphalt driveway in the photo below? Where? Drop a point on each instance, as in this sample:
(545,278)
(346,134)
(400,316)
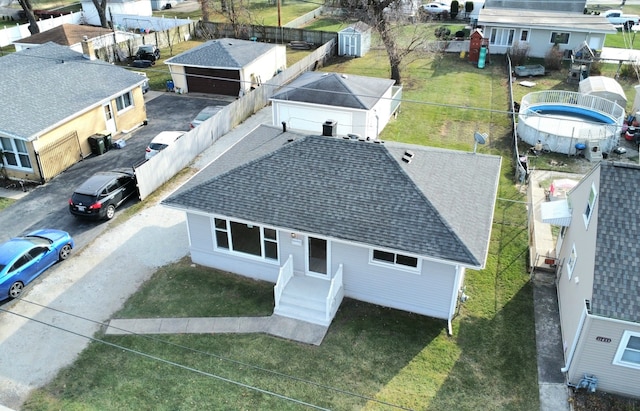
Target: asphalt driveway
(46,205)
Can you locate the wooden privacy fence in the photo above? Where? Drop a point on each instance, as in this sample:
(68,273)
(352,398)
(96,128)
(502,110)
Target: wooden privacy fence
(160,168)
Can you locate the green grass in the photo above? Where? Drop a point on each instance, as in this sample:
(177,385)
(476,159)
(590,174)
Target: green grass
(260,12)
(377,353)
(5,202)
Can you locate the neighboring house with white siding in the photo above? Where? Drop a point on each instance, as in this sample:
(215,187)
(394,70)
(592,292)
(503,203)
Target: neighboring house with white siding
(599,279)
(539,25)
(357,104)
(327,217)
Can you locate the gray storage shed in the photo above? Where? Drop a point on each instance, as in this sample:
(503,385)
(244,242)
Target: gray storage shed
(354,40)
(605,87)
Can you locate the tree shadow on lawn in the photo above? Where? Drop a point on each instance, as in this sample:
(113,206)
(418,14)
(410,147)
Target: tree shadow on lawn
(497,367)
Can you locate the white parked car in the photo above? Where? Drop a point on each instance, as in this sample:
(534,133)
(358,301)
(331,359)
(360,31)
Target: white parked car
(436,8)
(204,115)
(162,141)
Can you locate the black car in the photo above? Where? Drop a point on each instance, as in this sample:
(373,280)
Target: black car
(148,52)
(100,195)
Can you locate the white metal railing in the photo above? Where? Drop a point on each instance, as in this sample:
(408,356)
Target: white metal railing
(334,298)
(284,276)
(571,98)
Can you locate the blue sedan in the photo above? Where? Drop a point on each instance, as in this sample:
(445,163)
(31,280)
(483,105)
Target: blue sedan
(22,259)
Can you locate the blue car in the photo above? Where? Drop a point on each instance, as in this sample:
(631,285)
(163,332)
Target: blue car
(22,259)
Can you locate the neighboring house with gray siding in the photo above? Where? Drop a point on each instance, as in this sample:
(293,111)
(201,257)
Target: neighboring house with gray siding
(325,217)
(599,279)
(538,26)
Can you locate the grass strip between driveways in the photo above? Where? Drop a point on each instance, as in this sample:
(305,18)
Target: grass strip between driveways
(388,355)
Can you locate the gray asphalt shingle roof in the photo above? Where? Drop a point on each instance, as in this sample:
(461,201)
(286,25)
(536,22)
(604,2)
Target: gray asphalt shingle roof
(616,283)
(517,17)
(46,85)
(335,89)
(222,53)
(439,205)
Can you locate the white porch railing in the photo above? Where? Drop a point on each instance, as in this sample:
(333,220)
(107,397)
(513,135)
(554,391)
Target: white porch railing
(336,292)
(285,274)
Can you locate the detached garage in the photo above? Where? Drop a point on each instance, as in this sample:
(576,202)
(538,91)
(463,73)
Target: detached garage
(604,87)
(354,104)
(226,66)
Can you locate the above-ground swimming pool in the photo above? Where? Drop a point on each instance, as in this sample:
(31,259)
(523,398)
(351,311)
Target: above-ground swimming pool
(562,119)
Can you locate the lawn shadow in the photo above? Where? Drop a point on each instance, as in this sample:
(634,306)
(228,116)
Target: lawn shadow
(497,365)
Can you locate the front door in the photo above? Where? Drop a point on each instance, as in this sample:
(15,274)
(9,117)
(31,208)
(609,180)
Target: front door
(317,256)
(108,118)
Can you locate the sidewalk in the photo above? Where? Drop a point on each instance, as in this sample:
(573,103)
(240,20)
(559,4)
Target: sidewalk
(275,325)
(554,393)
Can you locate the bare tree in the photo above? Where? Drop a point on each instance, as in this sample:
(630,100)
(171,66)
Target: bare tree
(204,6)
(31,17)
(388,17)
(101,7)
(236,13)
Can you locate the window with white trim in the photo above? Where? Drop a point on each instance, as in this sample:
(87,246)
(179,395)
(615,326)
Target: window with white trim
(395,259)
(502,37)
(124,101)
(246,238)
(628,354)
(559,38)
(593,194)
(524,36)
(571,263)
(15,153)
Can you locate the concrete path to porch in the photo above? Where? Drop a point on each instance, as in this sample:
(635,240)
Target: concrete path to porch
(275,325)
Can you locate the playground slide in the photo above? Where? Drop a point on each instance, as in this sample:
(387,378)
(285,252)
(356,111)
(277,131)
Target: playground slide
(483,57)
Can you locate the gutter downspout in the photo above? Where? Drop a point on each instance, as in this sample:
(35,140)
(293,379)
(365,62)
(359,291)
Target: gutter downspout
(572,351)
(455,296)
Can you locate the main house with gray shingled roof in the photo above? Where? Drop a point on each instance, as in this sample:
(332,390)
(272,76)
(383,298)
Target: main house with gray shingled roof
(226,66)
(599,279)
(352,104)
(324,217)
(54,99)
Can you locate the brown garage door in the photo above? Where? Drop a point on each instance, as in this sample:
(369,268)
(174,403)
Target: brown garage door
(213,81)
(60,155)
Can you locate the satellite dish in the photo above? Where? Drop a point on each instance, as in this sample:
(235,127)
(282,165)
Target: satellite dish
(480,138)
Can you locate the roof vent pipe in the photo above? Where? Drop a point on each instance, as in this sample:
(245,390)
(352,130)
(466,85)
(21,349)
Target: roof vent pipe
(284,126)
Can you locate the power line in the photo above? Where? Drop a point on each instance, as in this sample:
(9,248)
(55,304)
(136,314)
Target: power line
(231,360)
(172,363)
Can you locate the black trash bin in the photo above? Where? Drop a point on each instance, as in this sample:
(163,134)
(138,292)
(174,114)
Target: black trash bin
(96,142)
(106,137)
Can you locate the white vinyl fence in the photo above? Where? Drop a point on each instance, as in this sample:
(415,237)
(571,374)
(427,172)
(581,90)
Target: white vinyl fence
(163,166)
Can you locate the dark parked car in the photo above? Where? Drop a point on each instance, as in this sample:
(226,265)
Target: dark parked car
(102,193)
(23,259)
(148,52)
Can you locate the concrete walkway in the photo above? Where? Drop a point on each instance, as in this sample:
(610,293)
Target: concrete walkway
(553,391)
(275,325)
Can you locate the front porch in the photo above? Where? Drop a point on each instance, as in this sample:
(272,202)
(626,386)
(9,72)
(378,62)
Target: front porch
(311,299)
